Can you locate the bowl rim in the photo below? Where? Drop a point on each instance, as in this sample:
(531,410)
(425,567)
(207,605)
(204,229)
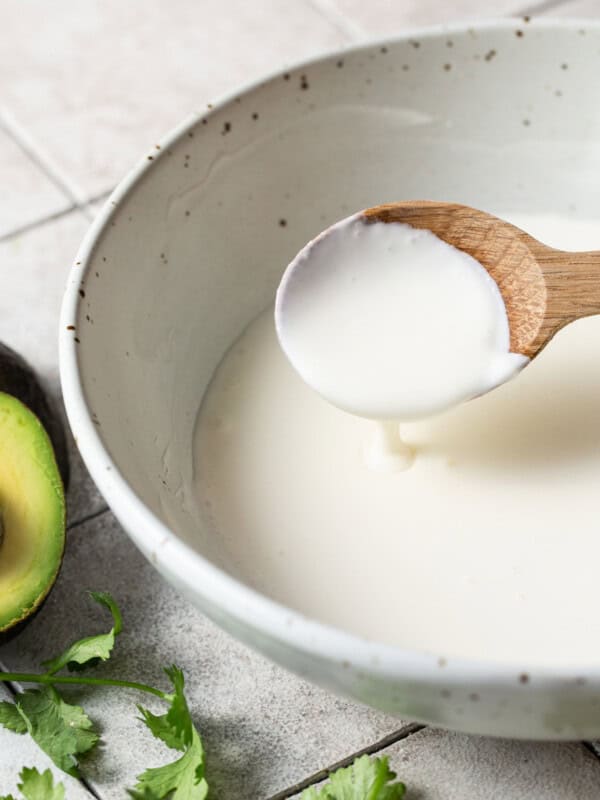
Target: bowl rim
(191,570)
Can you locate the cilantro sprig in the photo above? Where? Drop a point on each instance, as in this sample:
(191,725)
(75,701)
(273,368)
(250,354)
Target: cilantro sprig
(66,734)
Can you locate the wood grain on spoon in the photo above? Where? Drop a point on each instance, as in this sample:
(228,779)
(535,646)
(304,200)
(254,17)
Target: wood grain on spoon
(543,289)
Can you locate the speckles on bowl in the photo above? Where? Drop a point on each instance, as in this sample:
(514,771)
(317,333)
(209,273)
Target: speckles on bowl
(81,293)
(71,327)
(447,67)
(474,697)
(445,693)
(304,83)
(255,115)
(519,34)
(226,128)
(524,678)
(490,55)
(442,662)
(339,63)
(564,65)
(414,43)
(286,76)
(282,223)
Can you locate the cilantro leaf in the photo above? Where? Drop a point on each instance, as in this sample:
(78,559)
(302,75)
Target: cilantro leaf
(11,719)
(174,728)
(62,731)
(93,649)
(39,786)
(184,777)
(147,794)
(366,779)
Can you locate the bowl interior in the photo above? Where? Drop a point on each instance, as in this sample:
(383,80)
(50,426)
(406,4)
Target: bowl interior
(500,118)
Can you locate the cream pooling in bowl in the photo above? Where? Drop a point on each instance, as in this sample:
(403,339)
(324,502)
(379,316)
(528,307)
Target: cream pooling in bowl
(464,554)
(390,322)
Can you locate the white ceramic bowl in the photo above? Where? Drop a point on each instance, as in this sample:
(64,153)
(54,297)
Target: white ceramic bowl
(190,247)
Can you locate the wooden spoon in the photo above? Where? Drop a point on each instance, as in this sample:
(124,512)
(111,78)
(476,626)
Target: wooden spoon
(543,289)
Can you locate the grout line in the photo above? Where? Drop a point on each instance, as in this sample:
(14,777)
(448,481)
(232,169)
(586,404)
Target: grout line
(31,226)
(321,775)
(72,525)
(42,160)
(540,7)
(592,747)
(330,11)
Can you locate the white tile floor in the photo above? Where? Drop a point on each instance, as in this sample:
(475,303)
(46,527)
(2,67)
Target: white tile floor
(84,89)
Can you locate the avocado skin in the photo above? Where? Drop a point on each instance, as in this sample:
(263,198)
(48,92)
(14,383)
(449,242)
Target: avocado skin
(19,379)
(10,633)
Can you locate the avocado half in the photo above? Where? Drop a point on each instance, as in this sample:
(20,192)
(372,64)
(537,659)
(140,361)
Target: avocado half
(32,500)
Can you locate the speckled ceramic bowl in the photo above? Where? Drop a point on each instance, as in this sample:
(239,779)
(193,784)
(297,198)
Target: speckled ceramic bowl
(191,245)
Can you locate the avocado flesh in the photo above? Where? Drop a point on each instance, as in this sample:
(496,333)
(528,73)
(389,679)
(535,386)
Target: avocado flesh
(32,507)
(18,379)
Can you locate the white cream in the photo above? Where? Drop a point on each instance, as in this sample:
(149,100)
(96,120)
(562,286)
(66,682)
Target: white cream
(390,322)
(487,547)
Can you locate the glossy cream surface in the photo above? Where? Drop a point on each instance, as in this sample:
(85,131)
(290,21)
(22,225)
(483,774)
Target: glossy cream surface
(388,321)
(485,547)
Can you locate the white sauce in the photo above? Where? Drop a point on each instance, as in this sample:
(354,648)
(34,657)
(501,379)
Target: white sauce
(390,322)
(486,547)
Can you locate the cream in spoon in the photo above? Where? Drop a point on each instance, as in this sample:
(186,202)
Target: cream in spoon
(390,322)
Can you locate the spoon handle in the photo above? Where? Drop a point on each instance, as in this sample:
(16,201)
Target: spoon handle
(572,283)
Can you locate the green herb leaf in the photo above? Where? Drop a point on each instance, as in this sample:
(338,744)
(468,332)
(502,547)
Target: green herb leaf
(366,779)
(39,786)
(62,731)
(184,777)
(90,651)
(174,728)
(147,794)
(11,718)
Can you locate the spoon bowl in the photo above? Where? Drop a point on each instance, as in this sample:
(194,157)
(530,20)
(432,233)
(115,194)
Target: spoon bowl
(543,288)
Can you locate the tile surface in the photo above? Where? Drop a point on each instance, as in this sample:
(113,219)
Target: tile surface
(577,8)
(27,194)
(262,727)
(17,752)
(96,92)
(389,17)
(437,765)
